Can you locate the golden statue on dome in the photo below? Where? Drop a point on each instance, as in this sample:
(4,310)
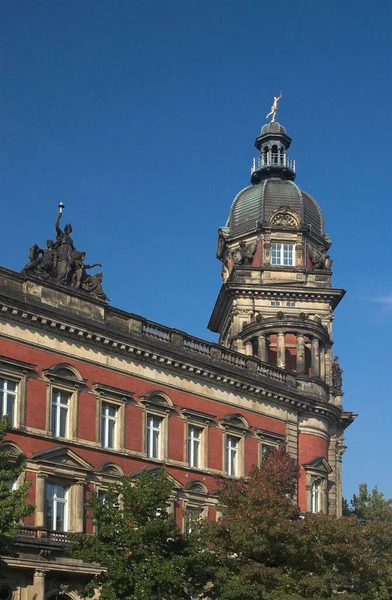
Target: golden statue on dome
(274,108)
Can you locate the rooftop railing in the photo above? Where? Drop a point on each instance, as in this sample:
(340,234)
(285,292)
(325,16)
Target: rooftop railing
(272,159)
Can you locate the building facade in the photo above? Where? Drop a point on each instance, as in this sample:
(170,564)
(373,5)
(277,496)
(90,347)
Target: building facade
(93,392)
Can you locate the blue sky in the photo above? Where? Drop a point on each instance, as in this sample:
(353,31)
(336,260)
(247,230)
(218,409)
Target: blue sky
(141,117)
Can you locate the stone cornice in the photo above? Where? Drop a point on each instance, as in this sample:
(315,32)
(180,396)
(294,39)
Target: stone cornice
(282,291)
(127,334)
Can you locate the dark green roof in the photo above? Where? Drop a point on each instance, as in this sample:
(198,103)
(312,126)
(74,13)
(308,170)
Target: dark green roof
(259,202)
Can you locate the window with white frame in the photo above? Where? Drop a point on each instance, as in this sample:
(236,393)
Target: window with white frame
(60,413)
(315,498)
(154,436)
(192,515)
(282,254)
(290,304)
(275,303)
(57,507)
(8,399)
(109,414)
(194,446)
(232,455)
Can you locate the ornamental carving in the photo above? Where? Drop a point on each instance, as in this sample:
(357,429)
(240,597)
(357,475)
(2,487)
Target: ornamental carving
(284,219)
(319,258)
(243,255)
(60,263)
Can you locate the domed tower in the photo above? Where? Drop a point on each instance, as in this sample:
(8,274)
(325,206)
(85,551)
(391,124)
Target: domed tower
(276,302)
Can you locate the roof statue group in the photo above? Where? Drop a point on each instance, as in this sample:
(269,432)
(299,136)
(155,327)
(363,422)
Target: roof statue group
(62,264)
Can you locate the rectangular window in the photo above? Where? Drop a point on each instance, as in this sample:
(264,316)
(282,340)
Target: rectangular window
(56,507)
(60,413)
(290,304)
(8,396)
(109,426)
(282,254)
(194,446)
(275,303)
(154,436)
(316,496)
(232,451)
(192,515)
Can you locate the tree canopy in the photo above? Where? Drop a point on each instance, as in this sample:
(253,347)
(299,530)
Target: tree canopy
(144,553)
(13,506)
(263,549)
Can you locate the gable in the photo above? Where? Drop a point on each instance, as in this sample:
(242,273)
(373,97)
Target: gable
(61,456)
(320,465)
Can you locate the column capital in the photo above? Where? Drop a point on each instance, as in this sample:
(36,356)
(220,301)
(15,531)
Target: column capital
(40,573)
(42,475)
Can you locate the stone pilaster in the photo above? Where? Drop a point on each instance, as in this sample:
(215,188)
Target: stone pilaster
(39,585)
(79,506)
(40,500)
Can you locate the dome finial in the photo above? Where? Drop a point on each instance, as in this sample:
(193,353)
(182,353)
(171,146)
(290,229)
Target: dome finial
(274,108)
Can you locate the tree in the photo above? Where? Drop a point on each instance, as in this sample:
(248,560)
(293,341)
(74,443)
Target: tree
(374,513)
(13,507)
(143,553)
(263,549)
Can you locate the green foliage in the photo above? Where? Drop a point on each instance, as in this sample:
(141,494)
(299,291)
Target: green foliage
(144,554)
(264,550)
(13,507)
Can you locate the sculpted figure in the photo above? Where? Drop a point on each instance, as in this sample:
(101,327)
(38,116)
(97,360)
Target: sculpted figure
(317,257)
(274,108)
(337,373)
(61,263)
(243,255)
(42,261)
(93,285)
(79,269)
(64,247)
(34,259)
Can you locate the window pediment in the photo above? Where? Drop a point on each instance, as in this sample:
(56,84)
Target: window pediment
(196,487)
(16,366)
(270,437)
(197,416)
(64,374)
(235,423)
(111,469)
(319,466)
(158,401)
(11,449)
(61,456)
(154,471)
(111,393)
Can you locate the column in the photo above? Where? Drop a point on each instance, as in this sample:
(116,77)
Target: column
(39,585)
(300,353)
(79,506)
(315,358)
(40,500)
(262,348)
(322,362)
(248,348)
(281,356)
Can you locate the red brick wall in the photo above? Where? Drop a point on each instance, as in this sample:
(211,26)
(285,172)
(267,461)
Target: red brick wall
(309,448)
